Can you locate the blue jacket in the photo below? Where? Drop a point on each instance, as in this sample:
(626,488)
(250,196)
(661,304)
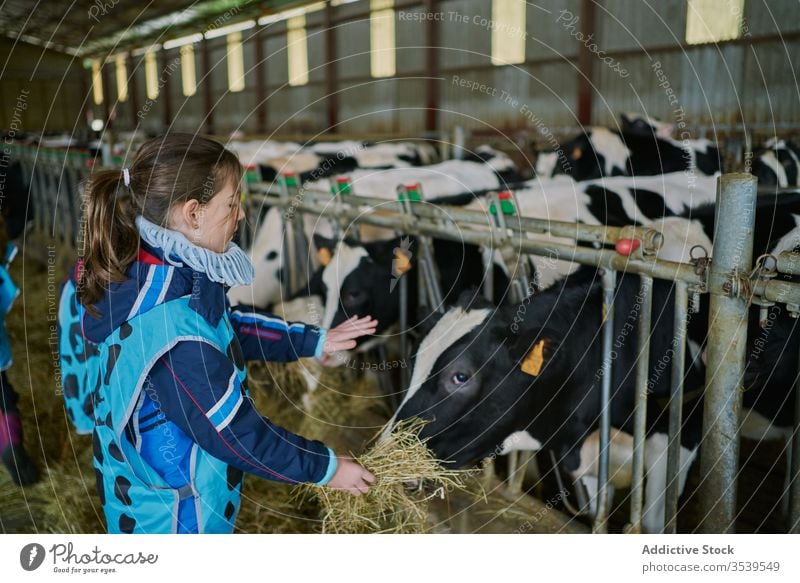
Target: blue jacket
(187,386)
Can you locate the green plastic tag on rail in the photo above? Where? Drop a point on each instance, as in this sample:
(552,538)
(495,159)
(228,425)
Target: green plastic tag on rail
(342,186)
(506,204)
(290,179)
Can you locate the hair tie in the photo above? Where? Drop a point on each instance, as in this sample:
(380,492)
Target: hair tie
(126,177)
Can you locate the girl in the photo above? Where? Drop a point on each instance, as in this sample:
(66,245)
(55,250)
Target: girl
(12,451)
(174,423)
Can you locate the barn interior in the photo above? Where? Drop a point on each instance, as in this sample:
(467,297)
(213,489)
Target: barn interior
(542,135)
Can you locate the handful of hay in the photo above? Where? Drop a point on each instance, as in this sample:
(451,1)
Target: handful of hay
(390,506)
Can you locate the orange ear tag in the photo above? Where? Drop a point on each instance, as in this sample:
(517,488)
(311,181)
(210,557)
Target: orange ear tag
(402,262)
(324,256)
(576,154)
(534,361)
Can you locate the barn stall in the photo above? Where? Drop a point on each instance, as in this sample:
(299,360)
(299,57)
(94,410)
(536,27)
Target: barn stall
(360,122)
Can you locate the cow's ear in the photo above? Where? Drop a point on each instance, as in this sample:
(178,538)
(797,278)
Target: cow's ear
(323,242)
(534,354)
(325,248)
(400,249)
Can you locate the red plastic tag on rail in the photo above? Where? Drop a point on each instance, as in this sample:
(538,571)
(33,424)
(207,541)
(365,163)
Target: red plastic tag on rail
(627,246)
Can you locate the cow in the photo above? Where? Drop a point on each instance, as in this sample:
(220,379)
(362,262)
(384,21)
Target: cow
(528,376)
(599,151)
(325,159)
(777,164)
(381,155)
(474,339)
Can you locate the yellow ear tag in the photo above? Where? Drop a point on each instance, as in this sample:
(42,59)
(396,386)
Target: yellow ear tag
(324,256)
(532,364)
(402,262)
(576,154)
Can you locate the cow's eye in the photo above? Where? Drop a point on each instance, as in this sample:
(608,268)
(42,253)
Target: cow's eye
(353,295)
(459,378)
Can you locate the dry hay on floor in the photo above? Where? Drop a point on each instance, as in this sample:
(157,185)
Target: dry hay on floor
(274,508)
(344,410)
(390,506)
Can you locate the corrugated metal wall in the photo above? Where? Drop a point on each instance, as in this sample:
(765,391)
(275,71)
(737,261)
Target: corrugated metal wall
(710,85)
(39,89)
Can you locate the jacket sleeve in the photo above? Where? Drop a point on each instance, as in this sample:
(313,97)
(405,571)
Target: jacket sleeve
(200,392)
(267,337)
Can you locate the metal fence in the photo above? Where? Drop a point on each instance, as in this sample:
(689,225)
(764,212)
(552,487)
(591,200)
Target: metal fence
(54,181)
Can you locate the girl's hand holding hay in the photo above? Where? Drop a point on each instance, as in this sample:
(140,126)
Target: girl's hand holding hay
(351,477)
(388,506)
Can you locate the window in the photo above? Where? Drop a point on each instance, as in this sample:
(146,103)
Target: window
(188,75)
(297,47)
(151,75)
(508,31)
(381,38)
(122,77)
(235,62)
(711,21)
(97,82)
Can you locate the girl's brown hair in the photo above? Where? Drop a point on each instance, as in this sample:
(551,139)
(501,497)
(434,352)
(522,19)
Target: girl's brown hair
(167,170)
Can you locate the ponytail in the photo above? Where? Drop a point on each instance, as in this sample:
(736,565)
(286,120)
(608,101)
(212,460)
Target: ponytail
(166,171)
(111,240)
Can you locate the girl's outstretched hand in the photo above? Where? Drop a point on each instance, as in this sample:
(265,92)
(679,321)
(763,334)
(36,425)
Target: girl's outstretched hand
(343,336)
(351,477)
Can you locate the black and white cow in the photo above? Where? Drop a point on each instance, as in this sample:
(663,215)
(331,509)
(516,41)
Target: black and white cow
(528,377)
(599,151)
(327,159)
(777,164)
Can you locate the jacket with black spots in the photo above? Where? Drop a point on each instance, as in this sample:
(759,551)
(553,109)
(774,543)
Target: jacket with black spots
(191,379)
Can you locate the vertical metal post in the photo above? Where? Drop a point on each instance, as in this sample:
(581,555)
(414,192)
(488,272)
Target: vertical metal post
(585,63)
(432,55)
(732,257)
(794,464)
(459,142)
(640,406)
(609,288)
(331,74)
(487,254)
(260,73)
(405,349)
(676,406)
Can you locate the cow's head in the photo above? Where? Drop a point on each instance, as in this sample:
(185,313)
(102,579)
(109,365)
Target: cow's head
(360,279)
(644,125)
(477,379)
